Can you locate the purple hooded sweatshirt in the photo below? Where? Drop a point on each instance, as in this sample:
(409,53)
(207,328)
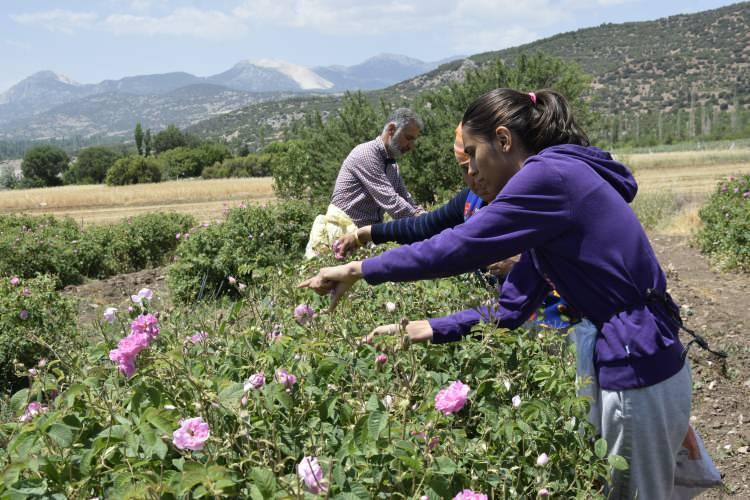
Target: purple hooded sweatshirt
(566,211)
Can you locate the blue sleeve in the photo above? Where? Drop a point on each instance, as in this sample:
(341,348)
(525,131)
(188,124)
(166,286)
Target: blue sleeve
(521,293)
(412,229)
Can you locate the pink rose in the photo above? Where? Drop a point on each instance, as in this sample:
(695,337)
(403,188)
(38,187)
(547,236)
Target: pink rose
(311,474)
(285,378)
(32,410)
(256,381)
(381,359)
(15,280)
(303,314)
(452,399)
(470,495)
(542,460)
(544,492)
(198,337)
(191,435)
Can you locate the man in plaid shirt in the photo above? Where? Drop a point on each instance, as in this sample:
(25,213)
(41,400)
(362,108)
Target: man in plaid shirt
(369,183)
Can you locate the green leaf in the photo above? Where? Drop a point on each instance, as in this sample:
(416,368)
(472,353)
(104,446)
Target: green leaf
(600,448)
(618,462)
(19,401)
(264,480)
(231,394)
(376,423)
(61,434)
(445,466)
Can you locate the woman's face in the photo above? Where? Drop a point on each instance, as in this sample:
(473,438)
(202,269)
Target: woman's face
(491,165)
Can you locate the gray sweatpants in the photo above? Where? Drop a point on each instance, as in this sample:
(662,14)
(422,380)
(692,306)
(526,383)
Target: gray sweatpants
(647,427)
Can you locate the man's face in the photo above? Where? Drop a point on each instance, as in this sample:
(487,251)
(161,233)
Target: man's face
(402,140)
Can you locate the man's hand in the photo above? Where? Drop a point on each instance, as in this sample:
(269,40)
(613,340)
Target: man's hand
(334,280)
(351,241)
(416,331)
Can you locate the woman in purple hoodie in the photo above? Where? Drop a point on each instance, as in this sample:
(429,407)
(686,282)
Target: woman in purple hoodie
(563,205)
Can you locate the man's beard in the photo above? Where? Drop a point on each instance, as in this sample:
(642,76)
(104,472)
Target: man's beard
(393,149)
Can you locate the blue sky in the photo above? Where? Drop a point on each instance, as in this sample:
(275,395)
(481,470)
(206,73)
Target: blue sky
(90,41)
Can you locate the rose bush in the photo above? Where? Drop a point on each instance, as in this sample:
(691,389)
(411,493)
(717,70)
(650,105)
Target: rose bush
(263,407)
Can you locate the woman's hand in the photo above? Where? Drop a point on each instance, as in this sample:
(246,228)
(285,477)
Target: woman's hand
(351,241)
(416,331)
(334,280)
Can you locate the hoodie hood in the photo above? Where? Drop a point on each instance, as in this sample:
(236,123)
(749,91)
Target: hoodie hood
(615,173)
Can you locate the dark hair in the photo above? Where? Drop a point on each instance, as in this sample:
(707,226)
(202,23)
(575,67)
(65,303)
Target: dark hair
(546,122)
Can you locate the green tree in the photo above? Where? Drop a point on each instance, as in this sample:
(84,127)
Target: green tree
(134,170)
(43,165)
(305,167)
(147,143)
(172,137)
(189,162)
(91,166)
(139,138)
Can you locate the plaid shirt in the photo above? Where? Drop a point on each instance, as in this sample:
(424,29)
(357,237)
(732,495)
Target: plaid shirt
(369,184)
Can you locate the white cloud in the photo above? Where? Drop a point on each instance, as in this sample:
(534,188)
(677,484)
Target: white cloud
(188,21)
(57,20)
(348,17)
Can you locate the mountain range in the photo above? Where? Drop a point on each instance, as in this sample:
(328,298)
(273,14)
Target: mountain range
(50,105)
(698,64)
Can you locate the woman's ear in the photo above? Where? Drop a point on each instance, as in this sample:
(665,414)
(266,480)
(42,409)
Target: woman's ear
(504,138)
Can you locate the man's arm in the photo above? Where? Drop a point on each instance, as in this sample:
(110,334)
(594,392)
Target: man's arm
(411,229)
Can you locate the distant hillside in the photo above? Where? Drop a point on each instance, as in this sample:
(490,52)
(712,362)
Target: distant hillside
(48,105)
(694,64)
(645,65)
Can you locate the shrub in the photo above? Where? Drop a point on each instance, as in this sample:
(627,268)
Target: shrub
(35,322)
(43,165)
(372,427)
(91,166)
(243,246)
(253,165)
(133,170)
(725,232)
(138,243)
(189,162)
(31,245)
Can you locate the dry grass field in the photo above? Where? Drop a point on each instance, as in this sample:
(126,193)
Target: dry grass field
(672,187)
(97,204)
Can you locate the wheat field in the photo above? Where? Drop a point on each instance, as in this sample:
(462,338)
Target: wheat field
(98,204)
(671,184)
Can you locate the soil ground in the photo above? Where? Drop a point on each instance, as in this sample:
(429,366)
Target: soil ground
(715,304)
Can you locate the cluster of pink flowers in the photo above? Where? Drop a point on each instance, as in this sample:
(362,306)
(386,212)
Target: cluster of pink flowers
(381,359)
(452,398)
(192,434)
(32,410)
(470,495)
(311,473)
(303,314)
(143,330)
(285,378)
(15,281)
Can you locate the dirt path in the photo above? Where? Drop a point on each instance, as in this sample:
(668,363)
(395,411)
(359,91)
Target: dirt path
(717,305)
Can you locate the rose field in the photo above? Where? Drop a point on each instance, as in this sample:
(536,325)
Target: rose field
(246,387)
(229,381)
